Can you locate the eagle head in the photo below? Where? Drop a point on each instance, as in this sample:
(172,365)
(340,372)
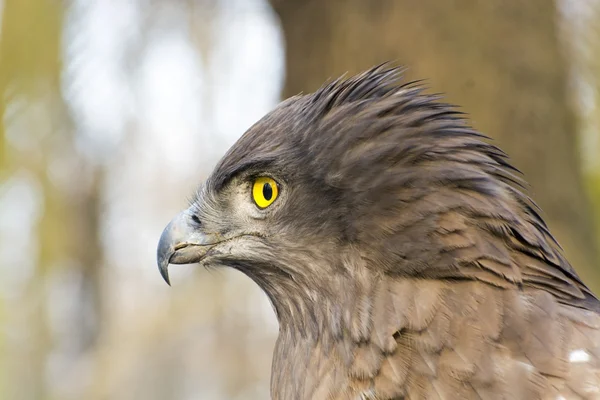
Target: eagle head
(367,177)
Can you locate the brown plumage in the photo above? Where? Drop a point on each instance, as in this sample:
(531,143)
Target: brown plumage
(401,256)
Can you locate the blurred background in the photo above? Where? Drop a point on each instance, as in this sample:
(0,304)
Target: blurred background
(113,111)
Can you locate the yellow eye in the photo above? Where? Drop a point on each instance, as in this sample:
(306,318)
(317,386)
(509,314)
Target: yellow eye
(264,191)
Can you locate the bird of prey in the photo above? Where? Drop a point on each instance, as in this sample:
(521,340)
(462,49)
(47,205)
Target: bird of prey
(398,249)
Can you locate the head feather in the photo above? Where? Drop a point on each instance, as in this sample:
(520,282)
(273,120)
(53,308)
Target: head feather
(377,163)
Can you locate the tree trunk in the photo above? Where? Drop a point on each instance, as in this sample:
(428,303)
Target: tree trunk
(499,59)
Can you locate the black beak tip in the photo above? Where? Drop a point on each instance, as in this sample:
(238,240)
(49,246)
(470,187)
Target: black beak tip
(164,272)
(163,267)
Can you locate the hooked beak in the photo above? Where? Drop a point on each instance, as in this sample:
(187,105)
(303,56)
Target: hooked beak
(182,242)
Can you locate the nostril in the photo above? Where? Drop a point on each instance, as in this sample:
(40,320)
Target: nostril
(196,219)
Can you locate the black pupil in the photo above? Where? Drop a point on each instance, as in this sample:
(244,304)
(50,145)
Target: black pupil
(267,191)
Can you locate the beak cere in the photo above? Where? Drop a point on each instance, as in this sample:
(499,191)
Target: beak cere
(182,242)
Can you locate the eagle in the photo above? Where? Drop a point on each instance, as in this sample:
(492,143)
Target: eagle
(399,250)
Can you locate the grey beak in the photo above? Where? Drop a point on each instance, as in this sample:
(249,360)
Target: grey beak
(182,242)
